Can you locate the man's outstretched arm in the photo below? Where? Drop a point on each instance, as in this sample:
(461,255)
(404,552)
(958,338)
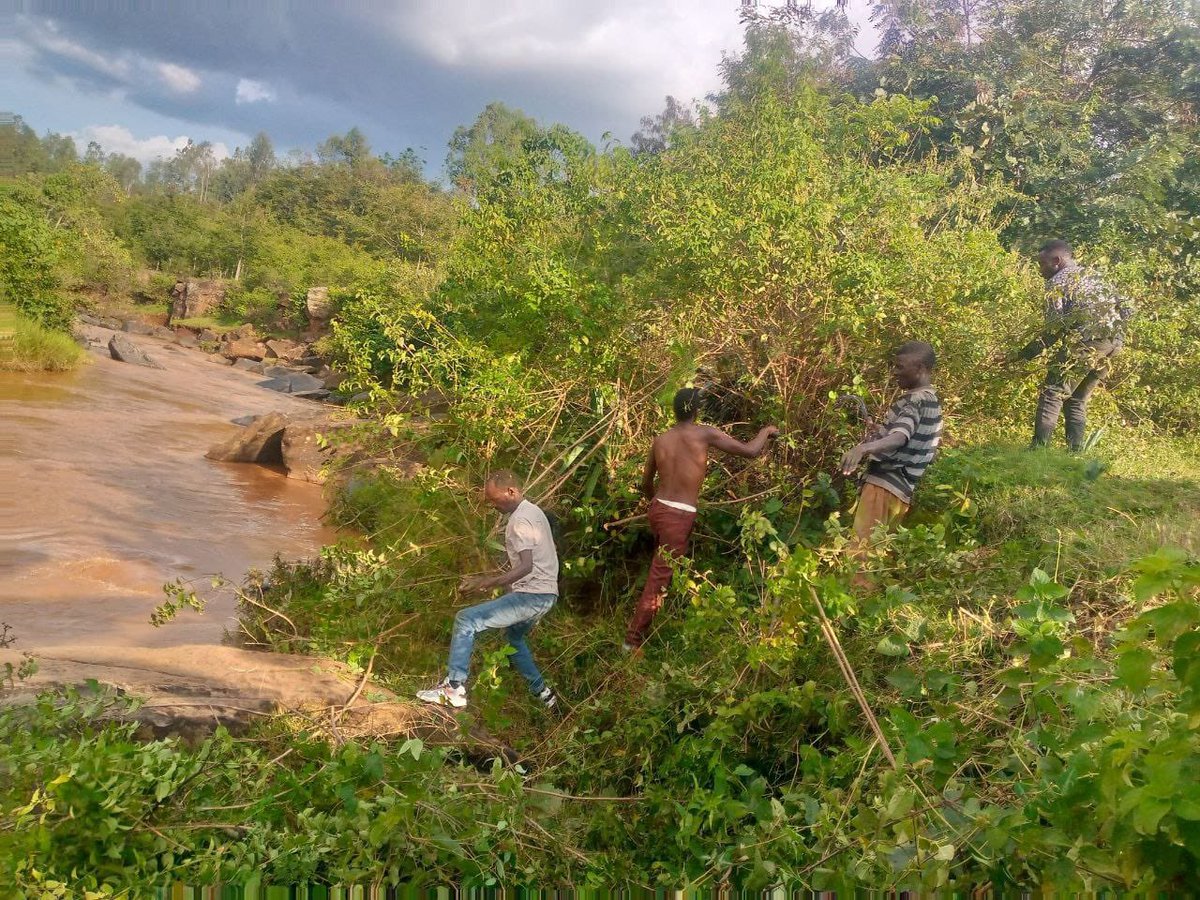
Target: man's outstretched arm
(748,450)
(893,440)
(503,579)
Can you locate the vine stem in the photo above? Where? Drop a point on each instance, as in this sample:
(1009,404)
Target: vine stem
(848,673)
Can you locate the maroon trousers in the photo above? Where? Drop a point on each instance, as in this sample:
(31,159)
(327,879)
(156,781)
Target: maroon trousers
(672,528)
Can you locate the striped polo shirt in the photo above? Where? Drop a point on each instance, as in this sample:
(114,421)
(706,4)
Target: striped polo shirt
(918,415)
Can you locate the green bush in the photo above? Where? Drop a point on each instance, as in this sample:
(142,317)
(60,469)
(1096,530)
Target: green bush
(35,348)
(257,305)
(29,259)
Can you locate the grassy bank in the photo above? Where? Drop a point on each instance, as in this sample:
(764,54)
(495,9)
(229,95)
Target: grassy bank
(33,348)
(1031,657)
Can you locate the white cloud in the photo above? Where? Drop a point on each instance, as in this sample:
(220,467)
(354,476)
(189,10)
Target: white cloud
(249,91)
(631,50)
(45,36)
(119,139)
(643,50)
(179,79)
(15,53)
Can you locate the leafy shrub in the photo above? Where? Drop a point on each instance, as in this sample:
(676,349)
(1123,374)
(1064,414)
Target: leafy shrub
(29,259)
(257,305)
(35,348)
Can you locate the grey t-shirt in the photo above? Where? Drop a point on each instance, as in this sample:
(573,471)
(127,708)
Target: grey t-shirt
(528,529)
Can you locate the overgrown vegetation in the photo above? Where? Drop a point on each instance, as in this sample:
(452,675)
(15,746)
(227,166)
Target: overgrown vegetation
(35,348)
(1032,654)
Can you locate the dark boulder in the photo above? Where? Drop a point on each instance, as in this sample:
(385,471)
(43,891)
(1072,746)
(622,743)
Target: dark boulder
(260,442)
(289,382)
(123,349)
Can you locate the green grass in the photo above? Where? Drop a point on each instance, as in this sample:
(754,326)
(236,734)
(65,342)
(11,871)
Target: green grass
(202,322)
(33,348)
(1093,513)
(994,686)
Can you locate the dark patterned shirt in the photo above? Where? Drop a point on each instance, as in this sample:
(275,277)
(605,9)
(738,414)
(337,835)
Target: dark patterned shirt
(1082,306)
(918,415)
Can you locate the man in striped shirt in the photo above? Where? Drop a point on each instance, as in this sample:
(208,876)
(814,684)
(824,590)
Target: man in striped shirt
(900,450)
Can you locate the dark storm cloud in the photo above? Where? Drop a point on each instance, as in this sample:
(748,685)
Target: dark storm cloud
(406,73)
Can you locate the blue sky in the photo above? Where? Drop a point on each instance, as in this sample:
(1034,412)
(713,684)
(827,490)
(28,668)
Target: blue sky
(142,78)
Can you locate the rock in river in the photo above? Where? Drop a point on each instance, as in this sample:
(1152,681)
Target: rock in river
(123,349)
(261,442)
(289,382)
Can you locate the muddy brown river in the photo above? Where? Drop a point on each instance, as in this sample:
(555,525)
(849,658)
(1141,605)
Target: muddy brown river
(105,494)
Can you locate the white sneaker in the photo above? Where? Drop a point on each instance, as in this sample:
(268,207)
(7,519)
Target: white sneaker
(548,698)
(445,694)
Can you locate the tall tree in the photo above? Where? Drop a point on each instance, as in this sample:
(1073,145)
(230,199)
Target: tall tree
(1088,107)
(351,148)
(60,151)
(494,142)
(248,167)
(657,132)
(125,169)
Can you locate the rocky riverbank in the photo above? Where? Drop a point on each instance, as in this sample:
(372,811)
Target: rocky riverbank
(113,497)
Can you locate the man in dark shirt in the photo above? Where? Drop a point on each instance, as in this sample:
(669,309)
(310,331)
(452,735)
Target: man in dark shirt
(1084,326)
(679,459)
(900,450)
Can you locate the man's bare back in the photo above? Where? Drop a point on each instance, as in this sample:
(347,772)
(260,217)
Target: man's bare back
(679,457)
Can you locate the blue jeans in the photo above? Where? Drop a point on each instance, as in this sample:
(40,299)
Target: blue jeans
(516,613)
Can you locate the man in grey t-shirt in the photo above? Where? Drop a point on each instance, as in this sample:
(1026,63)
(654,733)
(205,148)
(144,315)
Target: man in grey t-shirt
(532,580)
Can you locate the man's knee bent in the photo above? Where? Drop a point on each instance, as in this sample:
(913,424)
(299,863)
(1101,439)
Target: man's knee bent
(464,620)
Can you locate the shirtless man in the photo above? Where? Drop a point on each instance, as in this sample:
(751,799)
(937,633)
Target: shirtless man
(679,457)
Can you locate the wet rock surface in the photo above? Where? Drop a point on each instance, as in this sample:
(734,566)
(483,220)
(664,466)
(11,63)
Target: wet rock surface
(260,442)
(124,350)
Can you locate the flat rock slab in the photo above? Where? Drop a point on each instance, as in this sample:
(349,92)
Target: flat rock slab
(191,689)
(100,321)
(123,349)
(290,382)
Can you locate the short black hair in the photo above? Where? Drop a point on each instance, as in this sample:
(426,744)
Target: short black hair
(687,403)
(923,351)
(504,479)
(1058,245)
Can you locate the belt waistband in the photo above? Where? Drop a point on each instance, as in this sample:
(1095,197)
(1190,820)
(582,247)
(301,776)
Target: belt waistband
(682,507)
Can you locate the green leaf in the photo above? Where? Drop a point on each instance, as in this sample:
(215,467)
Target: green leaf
(1186,661)
(900,803)
(1134,668)
(1148,814)
(1187,804)
(892,646)
(904,680)
(1171,620)
(413,746)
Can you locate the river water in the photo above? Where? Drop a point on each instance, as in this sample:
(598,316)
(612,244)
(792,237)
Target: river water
(105,495)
